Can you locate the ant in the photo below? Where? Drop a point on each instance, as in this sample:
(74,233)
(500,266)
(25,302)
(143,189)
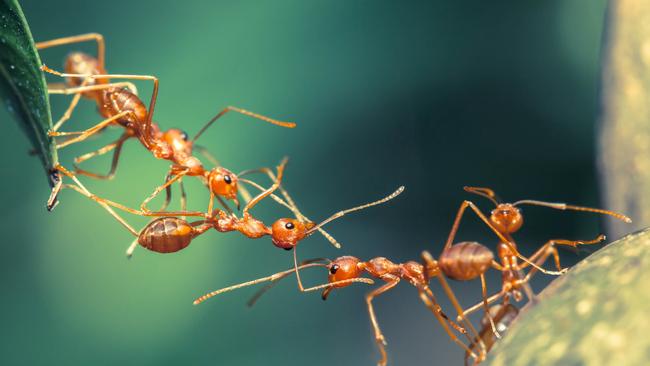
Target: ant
(170,234)
(467,260)
(502,316)
(345,270)
(124,108)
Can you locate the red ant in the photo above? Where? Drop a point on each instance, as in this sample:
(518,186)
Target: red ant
(346,270)
(122,107)
(467,260)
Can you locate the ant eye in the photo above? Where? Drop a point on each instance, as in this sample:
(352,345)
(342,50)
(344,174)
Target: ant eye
(184,136)
(334,268)
(227,179)
(289,226)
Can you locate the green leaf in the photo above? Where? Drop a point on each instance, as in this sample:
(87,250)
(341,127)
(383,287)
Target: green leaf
(22,84)
(596,314)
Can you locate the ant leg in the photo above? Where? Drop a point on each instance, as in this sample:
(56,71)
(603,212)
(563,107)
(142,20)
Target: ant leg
(549,248)
(77,91)
(459,310)
(131,248)
(117,145)
(184,197)
(68,112)
(379,337)
(487,307)
(487,222)
(101,47)
(481,304)
(79,187)
(428,261)
(269,191)
(167,184)
(87,133)
(432,304)
(246,113)
(86,88)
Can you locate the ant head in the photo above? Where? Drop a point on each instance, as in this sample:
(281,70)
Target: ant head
(223,183)
(178,140)
(342,268)
(506,218)
(286,233)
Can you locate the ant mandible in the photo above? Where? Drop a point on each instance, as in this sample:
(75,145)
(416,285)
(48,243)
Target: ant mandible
(122,107)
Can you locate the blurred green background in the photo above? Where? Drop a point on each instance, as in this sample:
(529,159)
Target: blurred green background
(434,95)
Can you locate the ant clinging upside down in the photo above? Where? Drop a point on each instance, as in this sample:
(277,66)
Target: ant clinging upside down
(505,220)
(87,77)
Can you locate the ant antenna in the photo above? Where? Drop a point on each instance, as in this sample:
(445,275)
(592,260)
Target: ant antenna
(345,212)
(272,284)
(282,274)
(485,192)
(564,206)
(270,190)
(244,112)
(271,278)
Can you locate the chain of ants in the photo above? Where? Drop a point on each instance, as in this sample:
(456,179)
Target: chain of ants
(119,104)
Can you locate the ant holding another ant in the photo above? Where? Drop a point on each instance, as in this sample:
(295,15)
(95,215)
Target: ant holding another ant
(87,77)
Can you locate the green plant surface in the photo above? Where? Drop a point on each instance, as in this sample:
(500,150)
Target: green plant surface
(624,131)
(596,314)
(22,85)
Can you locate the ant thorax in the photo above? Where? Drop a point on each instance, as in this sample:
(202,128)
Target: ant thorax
(252,227)
(381,266)
(414,273)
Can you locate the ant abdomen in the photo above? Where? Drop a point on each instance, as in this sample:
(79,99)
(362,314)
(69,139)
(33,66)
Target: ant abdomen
(166,235)
(465,260)
(116,100)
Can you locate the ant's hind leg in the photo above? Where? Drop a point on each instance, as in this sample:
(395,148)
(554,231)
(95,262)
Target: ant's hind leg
(68,112)
(550,248)
(117,146)
(79,187)
(88,88)
(87,133)
(444,320)
(101,46)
